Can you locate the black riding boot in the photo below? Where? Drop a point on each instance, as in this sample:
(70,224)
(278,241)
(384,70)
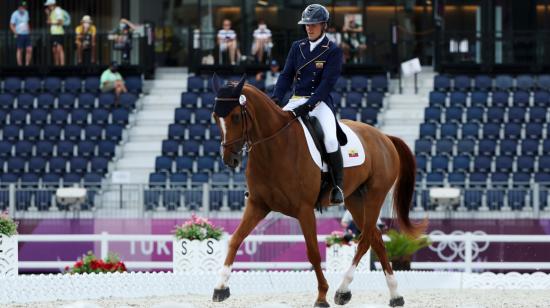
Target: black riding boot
(337,169)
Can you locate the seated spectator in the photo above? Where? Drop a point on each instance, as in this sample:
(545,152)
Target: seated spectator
(227,41)
(85,41)
(19,25)
(122,37)
(270,76)
(262,41)
(353,44)
(334,36)
(111,80)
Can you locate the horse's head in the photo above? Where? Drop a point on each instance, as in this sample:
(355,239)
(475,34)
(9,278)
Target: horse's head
(232,118)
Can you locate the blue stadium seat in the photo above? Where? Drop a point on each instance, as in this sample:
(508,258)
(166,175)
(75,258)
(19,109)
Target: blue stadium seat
(57,165)
(526,164)
(99,165)
(190,148)
(428,131)
(100,116)
(86,101)
(521,178)
(12,85)
(348,113)
(516,198)
(529,147)
(508,147)
(543,82)
(73,85)
(195,84)
(106,148)
(72,132)
(71,179)
(38,117)
(369,115)
(203,116)
(86,149)
(6,101)
(504,83)
(457,179)
(457,99)
(93,132)
(546,147)
(359,83)
(421,163)
(79,117)
(44,148)
(183,115)
(491,131)
(184,164)
(533,130)
(504,164)
(52,85)
(473,198)
(482,164)
(375,99)
(521,99)
(65,149)
(5,149)
(541,99)
(487,147)
(439,163)
(18,117)
(171,199)
(542,177)
(205,164)
(31,133)
(113,132)
(379,83)
(454,114)
(435,179)
(462,83)
(189,100)
(483,83)
(500,99)
(537,115)
(211,147)
(51,180)
(442,83)
(437,99)
(465,146)
(475,114)
(91,85)
(106,101)
(517,114)
(423,146)
(478,179)
(64,101)
(207,100)
(9,178)
(33,85)
(197,131)
(78,165)
(59,117)
(120,116)
(37,165)
(178,180)
(128,101)
(461,163)
(525,82)
(133,84)
(479,99)
(512,131)
(341,84)
(200,177)
(163,164)
(214,132)
(170,148)
(10,133)
(543,164)
(337,99)
(176,132)
(354,99)
(449,131)
(432,114)
(25,101)
(495,115)
(495,199)
(23,149)
(444,147)
(3,118)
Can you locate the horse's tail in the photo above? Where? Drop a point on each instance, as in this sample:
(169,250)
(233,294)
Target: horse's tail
(404,189)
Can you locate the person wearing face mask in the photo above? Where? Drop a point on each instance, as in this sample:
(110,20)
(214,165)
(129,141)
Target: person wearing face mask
(313,66)
(262,41)
(19,25)
(85,41)
(122,36)
(112,81)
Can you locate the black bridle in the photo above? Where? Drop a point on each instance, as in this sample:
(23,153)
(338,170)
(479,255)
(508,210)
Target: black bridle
(245,137)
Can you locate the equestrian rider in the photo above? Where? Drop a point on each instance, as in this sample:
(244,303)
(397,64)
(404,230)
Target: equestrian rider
(314,65)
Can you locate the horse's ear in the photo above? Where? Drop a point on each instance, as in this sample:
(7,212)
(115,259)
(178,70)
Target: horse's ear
(239,87)
(215,83)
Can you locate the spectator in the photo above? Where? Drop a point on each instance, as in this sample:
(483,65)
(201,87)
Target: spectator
(111,80)
(19,25)
(334,36)
(353,44)
(262,41)
(85,41)
(56,20)
(270,76)
(348,224)
(122,36)
(227,41)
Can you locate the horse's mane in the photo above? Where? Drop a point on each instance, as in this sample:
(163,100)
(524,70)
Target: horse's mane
(266,99)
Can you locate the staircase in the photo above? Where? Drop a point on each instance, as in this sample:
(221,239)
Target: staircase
(405,111)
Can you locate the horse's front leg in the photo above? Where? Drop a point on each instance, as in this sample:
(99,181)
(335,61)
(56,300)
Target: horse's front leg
(309,229)
(253,214)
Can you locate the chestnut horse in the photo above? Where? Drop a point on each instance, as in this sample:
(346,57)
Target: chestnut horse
(282,177)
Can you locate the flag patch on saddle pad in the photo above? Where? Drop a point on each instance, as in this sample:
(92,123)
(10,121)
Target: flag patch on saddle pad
(353,153)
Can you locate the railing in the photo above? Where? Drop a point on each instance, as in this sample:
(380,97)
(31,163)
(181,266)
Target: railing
(465,240)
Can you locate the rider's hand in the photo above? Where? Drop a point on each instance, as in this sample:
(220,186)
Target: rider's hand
(301,110)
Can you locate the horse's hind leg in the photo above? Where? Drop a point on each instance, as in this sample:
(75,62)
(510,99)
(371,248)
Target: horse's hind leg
(253,214)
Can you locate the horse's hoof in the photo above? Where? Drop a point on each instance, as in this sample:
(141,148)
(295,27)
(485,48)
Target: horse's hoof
(321,304)
(342,298)
(397,302)
(220,295)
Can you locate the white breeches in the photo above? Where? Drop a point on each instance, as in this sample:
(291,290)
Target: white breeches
(326,118)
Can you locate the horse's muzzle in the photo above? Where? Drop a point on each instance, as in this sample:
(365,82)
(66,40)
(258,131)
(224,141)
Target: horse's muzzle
(232,160)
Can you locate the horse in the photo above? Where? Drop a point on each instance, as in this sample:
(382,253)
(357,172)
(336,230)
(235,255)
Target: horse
(282,177)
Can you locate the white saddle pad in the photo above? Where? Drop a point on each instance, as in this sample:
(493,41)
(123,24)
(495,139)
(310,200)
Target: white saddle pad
(353,153)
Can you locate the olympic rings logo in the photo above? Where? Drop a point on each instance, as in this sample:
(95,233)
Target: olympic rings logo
(449,250)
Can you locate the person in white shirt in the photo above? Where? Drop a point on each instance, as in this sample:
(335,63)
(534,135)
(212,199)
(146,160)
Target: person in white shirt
(227,40)
(262,41)
(19,25)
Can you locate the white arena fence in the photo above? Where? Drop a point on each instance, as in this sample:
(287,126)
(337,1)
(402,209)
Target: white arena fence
(466,246)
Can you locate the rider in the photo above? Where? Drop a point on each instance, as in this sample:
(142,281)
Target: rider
(314,65)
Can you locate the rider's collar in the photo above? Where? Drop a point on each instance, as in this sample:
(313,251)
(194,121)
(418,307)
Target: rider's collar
(314,44)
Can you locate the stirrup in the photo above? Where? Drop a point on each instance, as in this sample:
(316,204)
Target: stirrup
(330,197)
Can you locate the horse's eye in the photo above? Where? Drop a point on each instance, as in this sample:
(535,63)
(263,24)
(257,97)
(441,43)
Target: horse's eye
(236,118)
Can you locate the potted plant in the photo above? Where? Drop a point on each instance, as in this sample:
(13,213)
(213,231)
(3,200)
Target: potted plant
(341,248)
(198,246)
(91,264)
(401,247)
(8,245)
